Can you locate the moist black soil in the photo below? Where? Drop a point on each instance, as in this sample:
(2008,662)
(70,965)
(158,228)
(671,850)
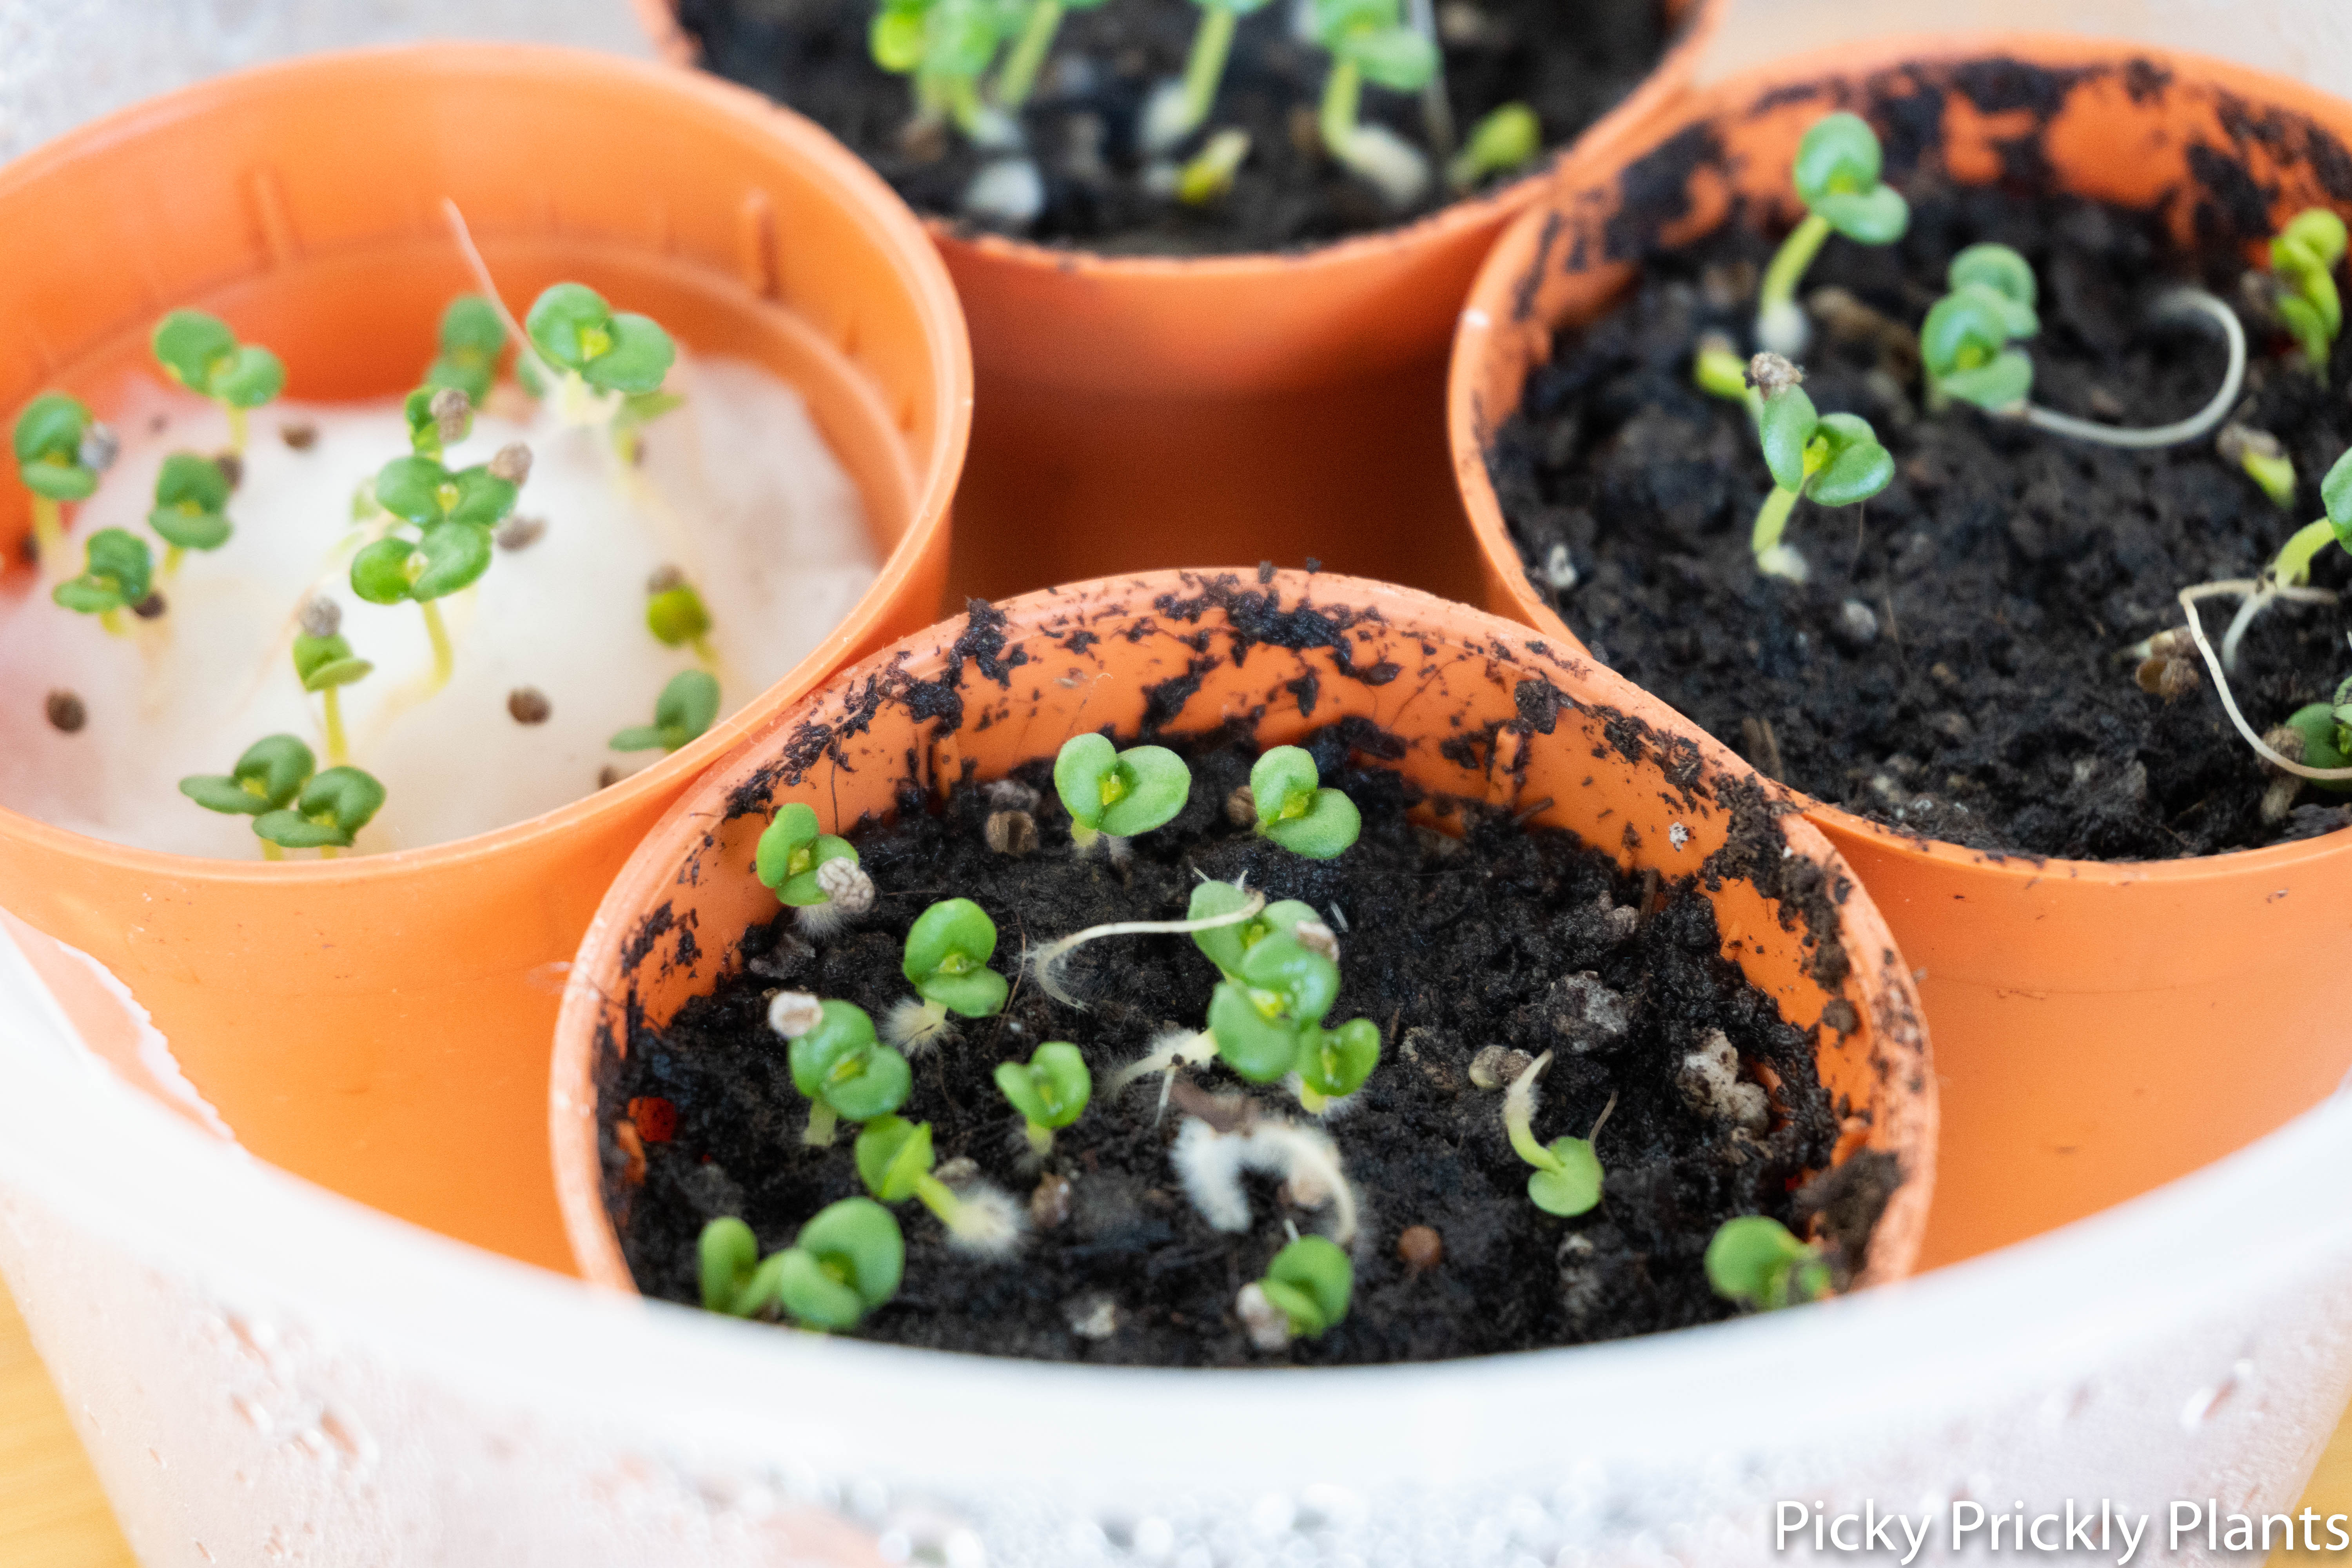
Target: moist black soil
(1449,946)
(2007,571)
(1570,61)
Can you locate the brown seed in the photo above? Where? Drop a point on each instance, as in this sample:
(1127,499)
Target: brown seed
(232,467)
(607,776)
(1241,807)
(1049,1205)
(512,463)
(1420,1248)
(529,705)
(633,1148)
(1012,832)
(663,579)
(300,435)
(1772,373)
(66,714)
(149,607)
(518,533)
(321,617)
(1498,1067)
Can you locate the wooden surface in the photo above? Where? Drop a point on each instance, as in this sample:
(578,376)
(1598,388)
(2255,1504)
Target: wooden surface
(52,1514)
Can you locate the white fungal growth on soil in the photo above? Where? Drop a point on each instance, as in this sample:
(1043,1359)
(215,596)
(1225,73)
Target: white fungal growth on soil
(1212,1164)
(737,487)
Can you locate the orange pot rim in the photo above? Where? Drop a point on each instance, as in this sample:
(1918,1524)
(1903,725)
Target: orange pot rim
(859,186)
(1666,81)
(1498,279)
(1879,975)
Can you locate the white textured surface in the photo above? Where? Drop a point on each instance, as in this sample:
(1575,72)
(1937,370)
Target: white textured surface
(286,1377)
(66,61)
(775,545)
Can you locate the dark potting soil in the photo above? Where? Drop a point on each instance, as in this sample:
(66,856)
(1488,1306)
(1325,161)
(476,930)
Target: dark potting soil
(2005,571)
(1570,61)
(1449,946)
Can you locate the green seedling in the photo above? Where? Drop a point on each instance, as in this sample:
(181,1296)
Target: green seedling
(1333,1064)
(677,616)
(894,1160)
(1268,1023)
(292,807)
(1297,811)
(453,516)
(688,707)
(1040,20)
(792,847)
(472,338)
(601,357)
(1754,1261)
(1253,920)
(1836,174)
(191,506)
(945,45)
(2317,738)
(1050,1090)
(846,1261)
(1567,1179)
(1369,40)
(2287,574)
(1169,120)
(1834,459)
(1209,174)
(847,1074)
(2303,261)
(1305,1294)
(438,419)
(56,443)
(1503,142)
(324,663)
(118,574)
(1964,345)
(2258,454)
(1121,794)
(946,961)
(203,355)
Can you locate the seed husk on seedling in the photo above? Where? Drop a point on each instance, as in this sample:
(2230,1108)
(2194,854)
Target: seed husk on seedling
(847,1074)
(118,574)
(1754,1261)
(1836,174)
(438,419)
(1567,1179)
(200,353)
(1297,811)
(2259,456)
(1369,40)
(1304,1295)
(1050,1090)
(1117,793)
(2303,261)
(1835,459)
(191,506)
(894,1160)
(847,1260)
(324,663)
(946,961)
(687,706)
(56,440)
(472,339)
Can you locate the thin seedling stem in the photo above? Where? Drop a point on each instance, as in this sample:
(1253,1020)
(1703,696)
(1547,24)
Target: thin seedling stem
(48,532)
(2189,597)
(444,659)
(339,750)
(2179,303)
(1046,960)
(1436,106)
(488,285)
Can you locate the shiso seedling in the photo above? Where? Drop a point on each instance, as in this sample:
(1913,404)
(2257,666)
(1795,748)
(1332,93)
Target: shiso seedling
(846,1073)
(686,708)
(118,574)
(847,1260)
(1050,1090)
(1117,793)
(1295,808)
(1754,1261)
(292,807)
(438,419)
(324,663)
(1836,174)
(200,353)
(1369,40)
(60,451)
(1567,1179)
(1304,1295)
(2302,262)
(946,961)
(1835,459)
(945,45)
(191,506)
(1967,350)
(1503,142)
(894,1160)
(453,515)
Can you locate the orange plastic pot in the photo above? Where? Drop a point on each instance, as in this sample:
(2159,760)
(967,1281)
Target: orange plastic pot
(379,1025)
(1274,407)
(1484,712)
(2100,1028)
